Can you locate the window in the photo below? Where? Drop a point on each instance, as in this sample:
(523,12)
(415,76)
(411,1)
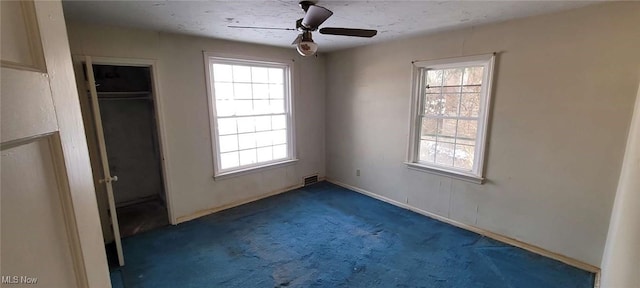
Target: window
(450,114)
(250,107)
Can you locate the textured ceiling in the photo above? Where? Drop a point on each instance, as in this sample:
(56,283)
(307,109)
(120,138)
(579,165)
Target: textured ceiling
(392,19)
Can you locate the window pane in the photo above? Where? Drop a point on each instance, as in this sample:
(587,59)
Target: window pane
(225,108)
(263,123)
(427,151)
(243,107)
(429,126)
(467,129)
(227,126)
(247,157)
(228,143)
(265,154)
(223,91)
(473,75)
(264,139)
(452,77)
(464,157)
(242,91)
(433,104)
(447,127)
(434,78)
(451,102)
(444,154)
(247,141)
(229,160)
(470,105)
(246,124)
(277,106)
(260,91)
(279,152)
(222,72)
(279,122)
(471,89)
(261,107)
(279,137)
(276,91)
(276,75)
(259,75)
(241,73)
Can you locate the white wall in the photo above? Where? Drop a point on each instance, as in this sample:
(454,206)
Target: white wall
(186,117)
(622,253)
(563,97)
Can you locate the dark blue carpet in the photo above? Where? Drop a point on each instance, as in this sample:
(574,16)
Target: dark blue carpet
(328,236)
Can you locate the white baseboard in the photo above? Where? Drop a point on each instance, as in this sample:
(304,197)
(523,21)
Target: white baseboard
(212,210)
(504,239)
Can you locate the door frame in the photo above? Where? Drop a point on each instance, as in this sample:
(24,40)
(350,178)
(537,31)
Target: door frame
(159,113)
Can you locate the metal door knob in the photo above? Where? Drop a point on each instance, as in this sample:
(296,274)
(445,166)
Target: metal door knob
(109,180)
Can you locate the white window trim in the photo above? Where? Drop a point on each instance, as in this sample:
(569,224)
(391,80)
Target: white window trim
(219,173)
(477,173)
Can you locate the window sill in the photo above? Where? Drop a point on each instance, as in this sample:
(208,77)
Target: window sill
(447,173)
(255,169)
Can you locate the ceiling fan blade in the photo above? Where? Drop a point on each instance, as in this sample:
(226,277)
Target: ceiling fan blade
(316,15)
(349,32)
(298,39)
(262,28)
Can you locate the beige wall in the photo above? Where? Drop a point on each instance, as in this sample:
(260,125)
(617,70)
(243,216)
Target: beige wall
(564,90)
(622,252)
(186,117)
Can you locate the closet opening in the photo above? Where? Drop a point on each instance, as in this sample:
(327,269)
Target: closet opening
(121,123)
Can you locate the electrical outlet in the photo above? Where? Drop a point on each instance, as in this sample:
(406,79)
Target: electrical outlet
(357,172)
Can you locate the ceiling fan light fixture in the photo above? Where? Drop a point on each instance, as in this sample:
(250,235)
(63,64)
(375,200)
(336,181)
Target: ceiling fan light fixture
(306,46)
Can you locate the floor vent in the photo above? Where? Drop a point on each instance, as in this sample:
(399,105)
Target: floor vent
(310,180)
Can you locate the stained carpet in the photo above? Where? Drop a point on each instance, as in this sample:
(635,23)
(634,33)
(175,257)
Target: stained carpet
(328,236)
(141,217)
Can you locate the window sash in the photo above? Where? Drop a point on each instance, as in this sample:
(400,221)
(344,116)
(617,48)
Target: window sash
(210,60)
(421,116)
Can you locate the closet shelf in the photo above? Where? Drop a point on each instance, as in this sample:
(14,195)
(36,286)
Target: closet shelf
(125,93)
(125,98)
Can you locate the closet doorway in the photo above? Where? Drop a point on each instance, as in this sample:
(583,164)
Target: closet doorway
(119,107)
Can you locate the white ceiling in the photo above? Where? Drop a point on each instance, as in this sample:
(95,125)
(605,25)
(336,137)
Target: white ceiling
(392,19)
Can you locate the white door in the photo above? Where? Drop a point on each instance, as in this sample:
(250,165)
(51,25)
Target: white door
(50,230)
(102,147)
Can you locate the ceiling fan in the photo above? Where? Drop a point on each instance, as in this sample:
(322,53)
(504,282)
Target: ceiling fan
(314,17)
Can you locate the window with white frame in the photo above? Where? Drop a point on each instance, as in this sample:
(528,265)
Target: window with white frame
(450,113)
(251,114)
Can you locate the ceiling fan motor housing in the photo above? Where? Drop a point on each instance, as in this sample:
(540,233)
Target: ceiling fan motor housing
(305,5)
(301,27)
